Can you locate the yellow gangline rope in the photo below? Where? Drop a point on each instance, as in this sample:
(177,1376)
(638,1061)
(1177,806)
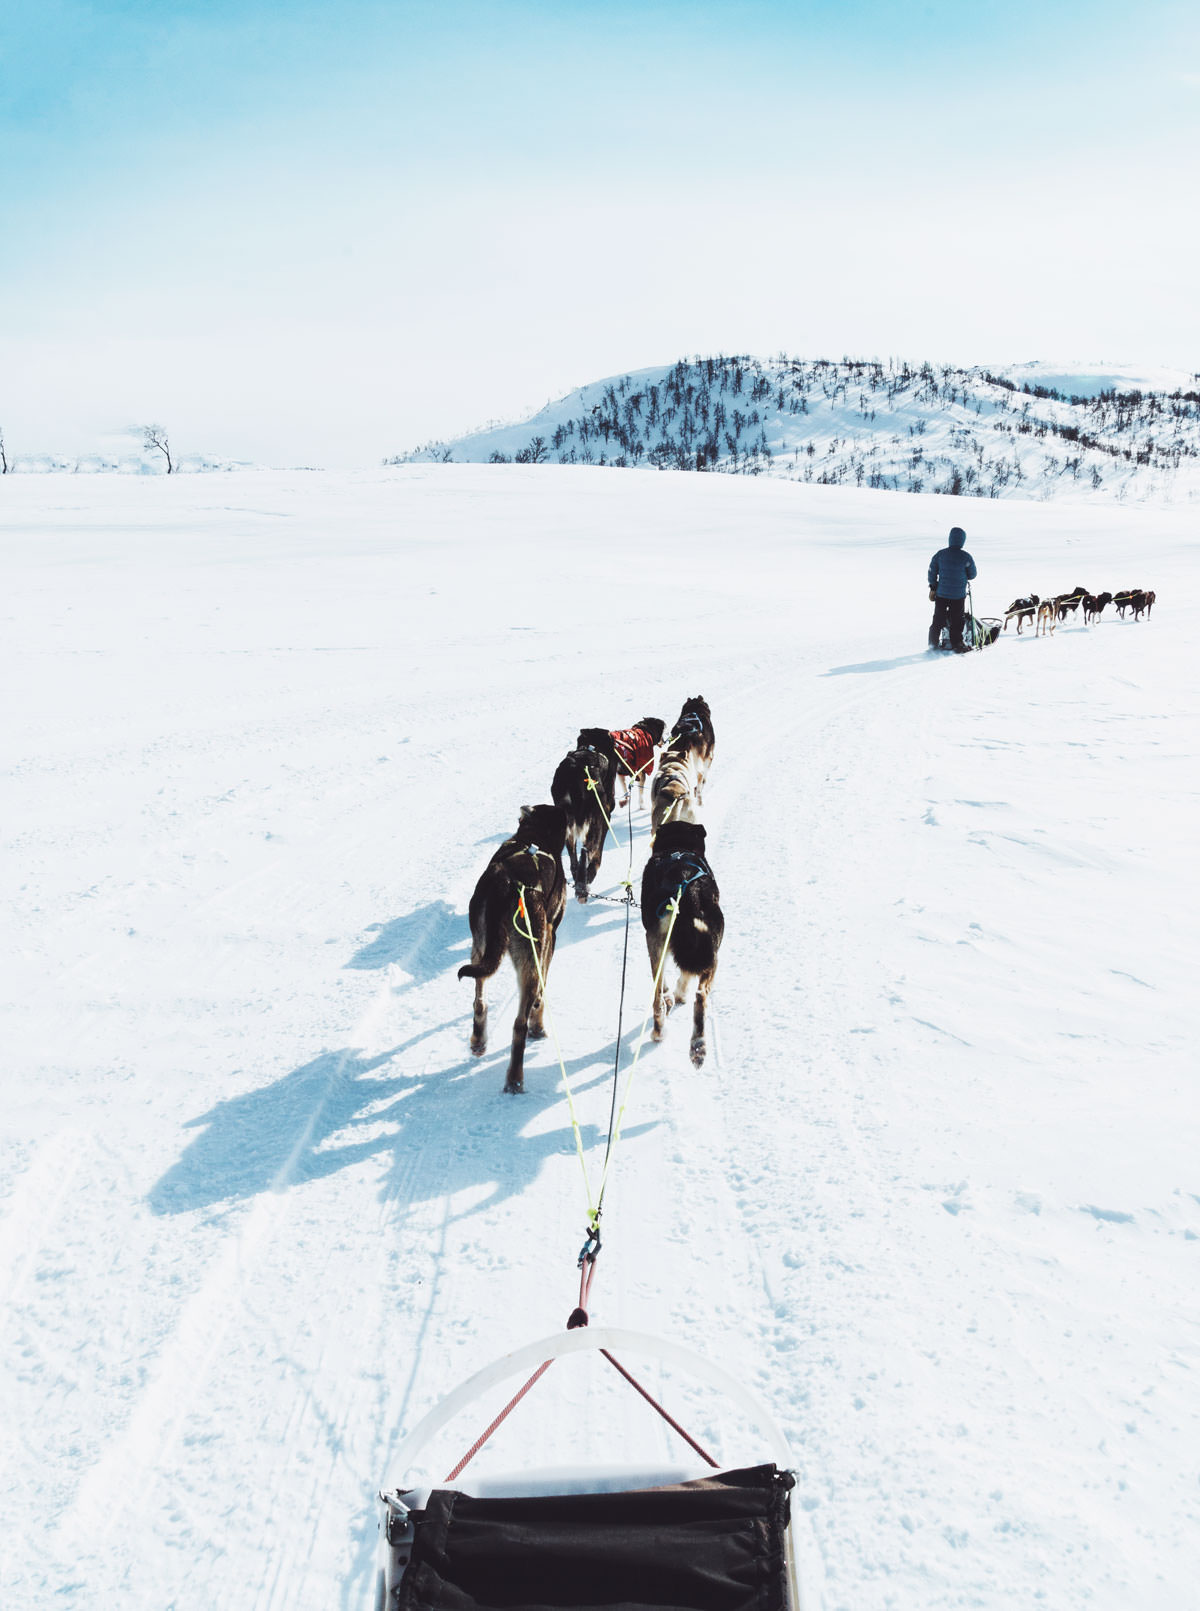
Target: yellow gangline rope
(523,912)
(673,908)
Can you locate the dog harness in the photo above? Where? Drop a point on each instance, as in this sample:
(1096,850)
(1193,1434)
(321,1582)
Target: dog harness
(691,723)
(687,866)
(507,853)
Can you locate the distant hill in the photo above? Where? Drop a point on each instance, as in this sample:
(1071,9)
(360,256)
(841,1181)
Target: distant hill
(1031,431)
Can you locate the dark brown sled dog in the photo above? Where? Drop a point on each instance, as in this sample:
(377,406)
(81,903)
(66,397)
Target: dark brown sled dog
(522,893)
(585,785)
(678,869)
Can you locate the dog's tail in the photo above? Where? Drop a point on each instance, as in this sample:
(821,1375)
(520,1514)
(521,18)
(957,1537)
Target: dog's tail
(489,942)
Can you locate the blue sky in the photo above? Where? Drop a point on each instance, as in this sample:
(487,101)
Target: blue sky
(318,233)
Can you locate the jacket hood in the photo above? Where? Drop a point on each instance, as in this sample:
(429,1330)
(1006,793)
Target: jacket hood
(957,536)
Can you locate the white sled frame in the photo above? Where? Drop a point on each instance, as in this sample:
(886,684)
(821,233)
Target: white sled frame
(396,1530)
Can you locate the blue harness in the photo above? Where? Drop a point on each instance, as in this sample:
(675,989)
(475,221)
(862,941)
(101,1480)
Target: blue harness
(691,723)
(685,859)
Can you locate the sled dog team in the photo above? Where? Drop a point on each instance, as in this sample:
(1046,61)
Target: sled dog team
(520,898)
(1050,611)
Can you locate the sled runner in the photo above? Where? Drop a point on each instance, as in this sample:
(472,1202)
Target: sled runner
(687,1538)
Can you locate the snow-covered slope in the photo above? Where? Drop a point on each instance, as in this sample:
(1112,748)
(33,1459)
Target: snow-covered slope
(1084,379)
(936,1194)
(118,463)
(1034,431)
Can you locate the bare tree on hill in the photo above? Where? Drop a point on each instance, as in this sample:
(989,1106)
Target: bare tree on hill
(154,437)
(3,454)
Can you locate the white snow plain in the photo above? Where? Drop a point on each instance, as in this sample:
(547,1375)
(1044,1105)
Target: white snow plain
(935,1195)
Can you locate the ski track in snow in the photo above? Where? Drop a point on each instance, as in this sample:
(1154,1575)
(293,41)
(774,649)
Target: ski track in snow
(933,1193)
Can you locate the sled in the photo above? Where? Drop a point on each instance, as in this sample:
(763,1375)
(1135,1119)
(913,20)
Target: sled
(981,630)
(978,632)
(688,1537)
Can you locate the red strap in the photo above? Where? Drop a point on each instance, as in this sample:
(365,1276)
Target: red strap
(500,1419)
(669,1419)
(579,1317)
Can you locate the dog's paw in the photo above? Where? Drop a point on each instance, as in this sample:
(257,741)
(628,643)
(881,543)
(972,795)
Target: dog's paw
(581,895)
(478,1045)
(513,1088)
(537,1031)
(698,1049)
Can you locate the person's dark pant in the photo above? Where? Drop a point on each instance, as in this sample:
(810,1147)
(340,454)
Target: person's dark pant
(948,612)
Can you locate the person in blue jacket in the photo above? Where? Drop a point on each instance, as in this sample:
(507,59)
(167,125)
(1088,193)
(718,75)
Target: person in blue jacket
(950,570)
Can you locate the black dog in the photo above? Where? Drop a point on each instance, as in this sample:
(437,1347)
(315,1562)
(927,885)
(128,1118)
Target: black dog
(692,739)
(1067,603)
(585,787)
(1094,606)
(517,906)
(678,875)
(1023,609)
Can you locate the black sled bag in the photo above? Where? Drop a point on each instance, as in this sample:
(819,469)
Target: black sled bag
(717,1544)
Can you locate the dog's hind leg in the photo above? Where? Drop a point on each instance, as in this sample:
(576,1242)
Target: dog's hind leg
(577,857)
(528,1001)
(656,945)
(593,855)
(537,1026)
(699,1045)
(479,1022)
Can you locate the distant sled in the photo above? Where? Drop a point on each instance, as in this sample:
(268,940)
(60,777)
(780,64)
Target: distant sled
(687,1538)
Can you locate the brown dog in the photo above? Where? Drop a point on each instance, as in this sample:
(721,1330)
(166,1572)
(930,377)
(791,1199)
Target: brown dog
(692,738)
(517,906)
(673,793)
(1046,615)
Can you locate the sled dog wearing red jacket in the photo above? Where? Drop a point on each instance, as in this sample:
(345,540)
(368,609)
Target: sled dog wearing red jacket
(635,754)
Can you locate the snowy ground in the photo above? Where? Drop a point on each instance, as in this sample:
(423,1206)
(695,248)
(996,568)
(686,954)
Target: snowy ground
(936,1194)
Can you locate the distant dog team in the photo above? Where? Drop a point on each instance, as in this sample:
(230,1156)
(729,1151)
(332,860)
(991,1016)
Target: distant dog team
(1049,612)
